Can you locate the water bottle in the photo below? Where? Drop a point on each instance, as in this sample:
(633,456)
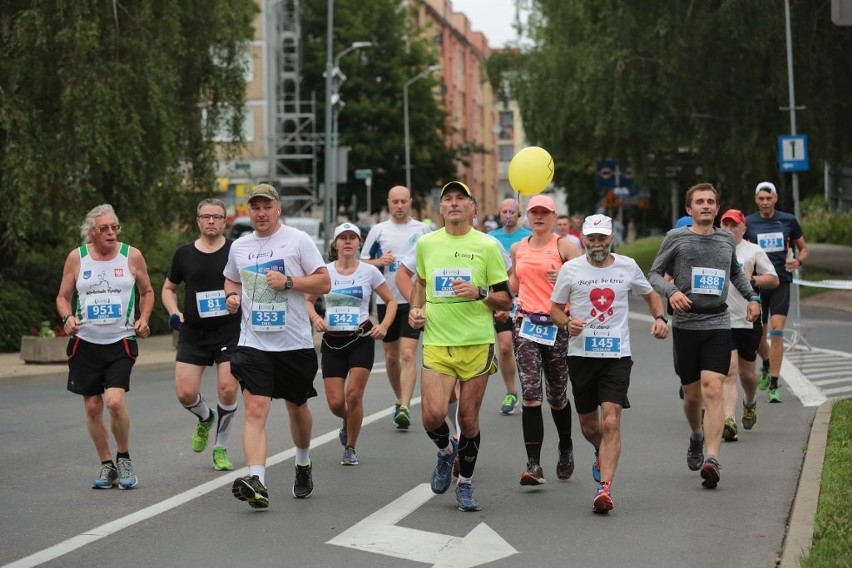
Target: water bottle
(790,257)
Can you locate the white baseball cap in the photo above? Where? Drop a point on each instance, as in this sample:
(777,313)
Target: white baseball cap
(343,227)
(597,225)
(768,186)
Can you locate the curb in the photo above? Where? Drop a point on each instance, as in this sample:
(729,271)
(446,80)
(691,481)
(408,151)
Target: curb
(801,526)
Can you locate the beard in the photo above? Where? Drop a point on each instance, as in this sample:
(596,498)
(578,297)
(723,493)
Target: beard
(598,254)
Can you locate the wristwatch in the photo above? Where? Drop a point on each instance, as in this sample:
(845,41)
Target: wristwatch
(289,283)
(483,293)
(664,318)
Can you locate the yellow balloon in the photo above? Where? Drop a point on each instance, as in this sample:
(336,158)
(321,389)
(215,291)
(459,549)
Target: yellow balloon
(531,170)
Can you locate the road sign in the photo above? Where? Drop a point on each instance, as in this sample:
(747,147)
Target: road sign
(793,153)
(364,174)
(605,174)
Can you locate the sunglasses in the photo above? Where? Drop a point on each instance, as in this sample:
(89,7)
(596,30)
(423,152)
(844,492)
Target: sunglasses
(207,217)
(107,228)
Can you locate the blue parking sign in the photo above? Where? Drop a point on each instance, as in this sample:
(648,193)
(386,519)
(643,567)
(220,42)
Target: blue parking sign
(793,153)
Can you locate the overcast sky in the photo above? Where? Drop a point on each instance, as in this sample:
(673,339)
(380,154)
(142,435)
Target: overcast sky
(494,18)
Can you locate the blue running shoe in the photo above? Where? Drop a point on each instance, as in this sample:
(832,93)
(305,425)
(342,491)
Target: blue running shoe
(465,499)
(107,477)
(596,469)
(443,474)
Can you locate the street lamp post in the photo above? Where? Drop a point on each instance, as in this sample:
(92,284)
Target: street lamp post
(337,105)
(427,71)
(329,68)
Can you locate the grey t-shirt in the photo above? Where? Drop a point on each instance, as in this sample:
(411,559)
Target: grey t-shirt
(703,266)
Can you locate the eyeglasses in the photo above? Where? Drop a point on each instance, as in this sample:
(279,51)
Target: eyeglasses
(207,217)
(107,228)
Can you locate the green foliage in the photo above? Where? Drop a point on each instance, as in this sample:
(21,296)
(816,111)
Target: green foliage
(821,226)
(634,81)
(833,520)
(16,316)
(372,121)
(642,251)
(107,102)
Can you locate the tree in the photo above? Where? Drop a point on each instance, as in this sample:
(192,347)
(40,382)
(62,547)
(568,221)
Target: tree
(112,102)
(372,121)
(634,81)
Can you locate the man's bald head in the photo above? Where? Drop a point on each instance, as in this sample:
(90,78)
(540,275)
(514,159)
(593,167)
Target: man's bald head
(509,212)
(399,203)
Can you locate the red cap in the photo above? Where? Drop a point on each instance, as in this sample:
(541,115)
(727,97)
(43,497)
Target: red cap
(735,215)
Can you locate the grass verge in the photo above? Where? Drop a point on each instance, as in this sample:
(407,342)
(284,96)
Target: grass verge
(832,543)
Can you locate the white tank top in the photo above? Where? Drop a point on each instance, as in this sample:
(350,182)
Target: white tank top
(106,302)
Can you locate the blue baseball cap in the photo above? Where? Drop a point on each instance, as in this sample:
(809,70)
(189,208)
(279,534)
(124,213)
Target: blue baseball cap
(685,221)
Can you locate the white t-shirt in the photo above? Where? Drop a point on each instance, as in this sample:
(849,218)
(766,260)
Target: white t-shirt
(395,238)
(598,296)
(753,260)
(348,304)
(273,320)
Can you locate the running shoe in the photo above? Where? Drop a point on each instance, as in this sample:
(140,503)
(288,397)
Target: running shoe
(596,468)
(126,478)
(710,473)
(250,489)
(565,465)
(342,436)
(729,432)
(304,485)
(695,454)
(602,502)
(202,432)
(220,459)
(396,408)
(509,403)
(107,477)
(763,380)
(402,418)
(749,416)
(442,475)
(465,499)
(534,475)
(349,456)
(773,395)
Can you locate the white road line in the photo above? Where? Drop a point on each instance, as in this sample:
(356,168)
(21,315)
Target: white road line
(113,527)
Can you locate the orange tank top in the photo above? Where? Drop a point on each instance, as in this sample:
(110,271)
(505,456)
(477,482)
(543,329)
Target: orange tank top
(531,266)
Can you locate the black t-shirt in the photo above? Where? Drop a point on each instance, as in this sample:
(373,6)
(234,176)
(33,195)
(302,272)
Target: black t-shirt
(202,272)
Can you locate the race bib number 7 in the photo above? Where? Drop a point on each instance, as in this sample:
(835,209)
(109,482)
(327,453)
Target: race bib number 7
(444,278)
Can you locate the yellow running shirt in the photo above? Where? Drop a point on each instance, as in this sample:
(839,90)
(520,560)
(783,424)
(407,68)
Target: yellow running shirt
(442,258)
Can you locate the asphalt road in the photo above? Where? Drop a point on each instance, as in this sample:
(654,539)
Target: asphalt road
(183,514)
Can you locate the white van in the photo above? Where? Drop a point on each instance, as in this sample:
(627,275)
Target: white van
(312,226)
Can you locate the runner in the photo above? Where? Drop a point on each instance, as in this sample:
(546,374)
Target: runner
(704,263)
(778,234)
(746,335)
(105,274)
(510,233)
(461,279)
(596,286)
(348,341)
(208,333)
(385,246)
(540,347)
(268,275)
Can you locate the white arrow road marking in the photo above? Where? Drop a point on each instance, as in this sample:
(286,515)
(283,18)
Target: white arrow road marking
(378,533)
